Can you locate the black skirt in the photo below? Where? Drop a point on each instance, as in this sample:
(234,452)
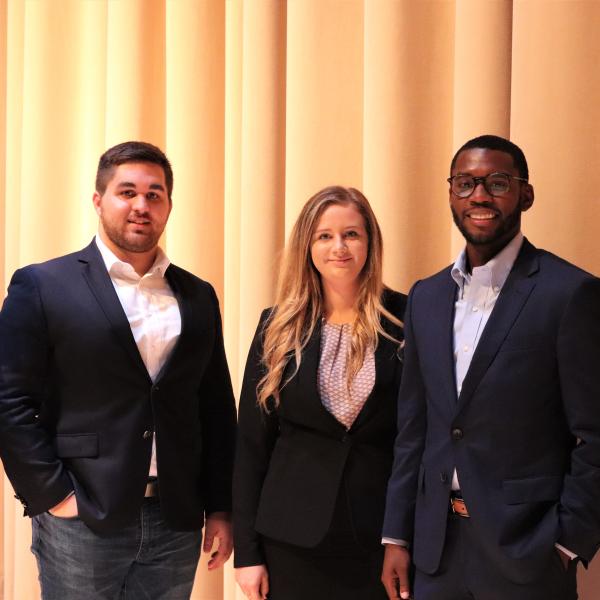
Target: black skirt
(337,569)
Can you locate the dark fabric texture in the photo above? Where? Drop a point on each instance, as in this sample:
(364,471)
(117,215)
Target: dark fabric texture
(292,462)
(530,394)
(77,407)
(337,568)
(466,573)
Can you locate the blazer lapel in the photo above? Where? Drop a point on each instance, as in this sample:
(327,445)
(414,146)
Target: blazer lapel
(443,336)
(385,350)
(188,322)
(305,387)
(435,329)
(95,273)
(510,302)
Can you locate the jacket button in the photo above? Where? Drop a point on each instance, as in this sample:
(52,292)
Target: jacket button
(443,477)
(457,433)
(147,435)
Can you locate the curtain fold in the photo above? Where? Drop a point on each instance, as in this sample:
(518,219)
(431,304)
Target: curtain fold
(407,114)
(259,104)
(195,113)
(262,160)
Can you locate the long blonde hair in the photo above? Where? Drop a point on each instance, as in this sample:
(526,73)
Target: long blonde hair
(299,298)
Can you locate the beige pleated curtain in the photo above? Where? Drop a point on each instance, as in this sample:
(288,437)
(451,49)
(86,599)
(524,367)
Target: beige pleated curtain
(260,103)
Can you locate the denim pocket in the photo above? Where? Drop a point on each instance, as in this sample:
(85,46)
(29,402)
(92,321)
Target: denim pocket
(75,518)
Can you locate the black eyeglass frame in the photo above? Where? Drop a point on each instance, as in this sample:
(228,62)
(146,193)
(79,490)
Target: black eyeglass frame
(483,180)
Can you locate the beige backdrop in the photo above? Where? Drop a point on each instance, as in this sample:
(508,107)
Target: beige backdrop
(259,103)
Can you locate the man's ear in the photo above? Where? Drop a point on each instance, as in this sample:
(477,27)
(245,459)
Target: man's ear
(527,196)
(96,199)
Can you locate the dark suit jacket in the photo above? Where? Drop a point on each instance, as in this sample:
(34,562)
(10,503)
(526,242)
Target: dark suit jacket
(77,406)
(532,390)
(292,462)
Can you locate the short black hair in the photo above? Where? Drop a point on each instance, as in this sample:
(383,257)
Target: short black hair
(128,152)
(495,142)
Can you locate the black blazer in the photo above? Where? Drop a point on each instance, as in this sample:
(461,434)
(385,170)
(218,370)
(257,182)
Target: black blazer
(292,462)
(532,390)
(77,406)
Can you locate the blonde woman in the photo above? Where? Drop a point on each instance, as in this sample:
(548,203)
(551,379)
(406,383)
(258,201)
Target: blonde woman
(318,413)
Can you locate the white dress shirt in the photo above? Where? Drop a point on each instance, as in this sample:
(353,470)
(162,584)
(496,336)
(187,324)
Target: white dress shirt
(151,309)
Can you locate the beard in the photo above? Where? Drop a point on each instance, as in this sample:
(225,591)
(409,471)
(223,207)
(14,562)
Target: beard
(507,226)
(130,241)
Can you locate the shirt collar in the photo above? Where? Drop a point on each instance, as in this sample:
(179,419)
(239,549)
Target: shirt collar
(116,265)
(498,267)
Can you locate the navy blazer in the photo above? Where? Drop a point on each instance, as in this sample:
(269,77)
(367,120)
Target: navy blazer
(292,462)
(78,408)
(524,433)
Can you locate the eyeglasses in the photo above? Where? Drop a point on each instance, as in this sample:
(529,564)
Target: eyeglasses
(495,184)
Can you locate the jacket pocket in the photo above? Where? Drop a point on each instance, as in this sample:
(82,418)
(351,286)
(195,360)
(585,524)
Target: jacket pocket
(532,489)
(76,445)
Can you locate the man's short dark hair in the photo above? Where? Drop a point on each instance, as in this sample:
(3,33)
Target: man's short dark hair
(494,142)
(129,152)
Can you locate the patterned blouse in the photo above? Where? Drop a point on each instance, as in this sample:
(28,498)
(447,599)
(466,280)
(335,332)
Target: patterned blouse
(343,404)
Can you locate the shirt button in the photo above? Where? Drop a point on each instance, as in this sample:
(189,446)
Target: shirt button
(496,289)
(457,434)
(147,435)
(474,309)
(465,348)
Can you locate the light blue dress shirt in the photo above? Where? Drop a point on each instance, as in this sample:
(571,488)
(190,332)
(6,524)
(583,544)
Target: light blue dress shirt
(475,299)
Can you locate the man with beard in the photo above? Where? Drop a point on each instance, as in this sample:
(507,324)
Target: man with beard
(117,414)
(495,489)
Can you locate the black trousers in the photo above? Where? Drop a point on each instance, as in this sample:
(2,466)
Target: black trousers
(337,569)
(466,573)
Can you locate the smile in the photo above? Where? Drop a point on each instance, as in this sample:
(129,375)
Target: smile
(346,259)
(482,216)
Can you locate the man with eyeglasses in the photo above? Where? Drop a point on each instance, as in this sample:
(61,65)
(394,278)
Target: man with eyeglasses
(495,489)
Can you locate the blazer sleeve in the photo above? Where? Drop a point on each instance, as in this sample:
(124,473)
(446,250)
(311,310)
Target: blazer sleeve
(218,423)
(37,475)
(578,355)
(258,431)
(410,440)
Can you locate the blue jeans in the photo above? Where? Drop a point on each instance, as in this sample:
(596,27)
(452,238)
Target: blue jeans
(143,560)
